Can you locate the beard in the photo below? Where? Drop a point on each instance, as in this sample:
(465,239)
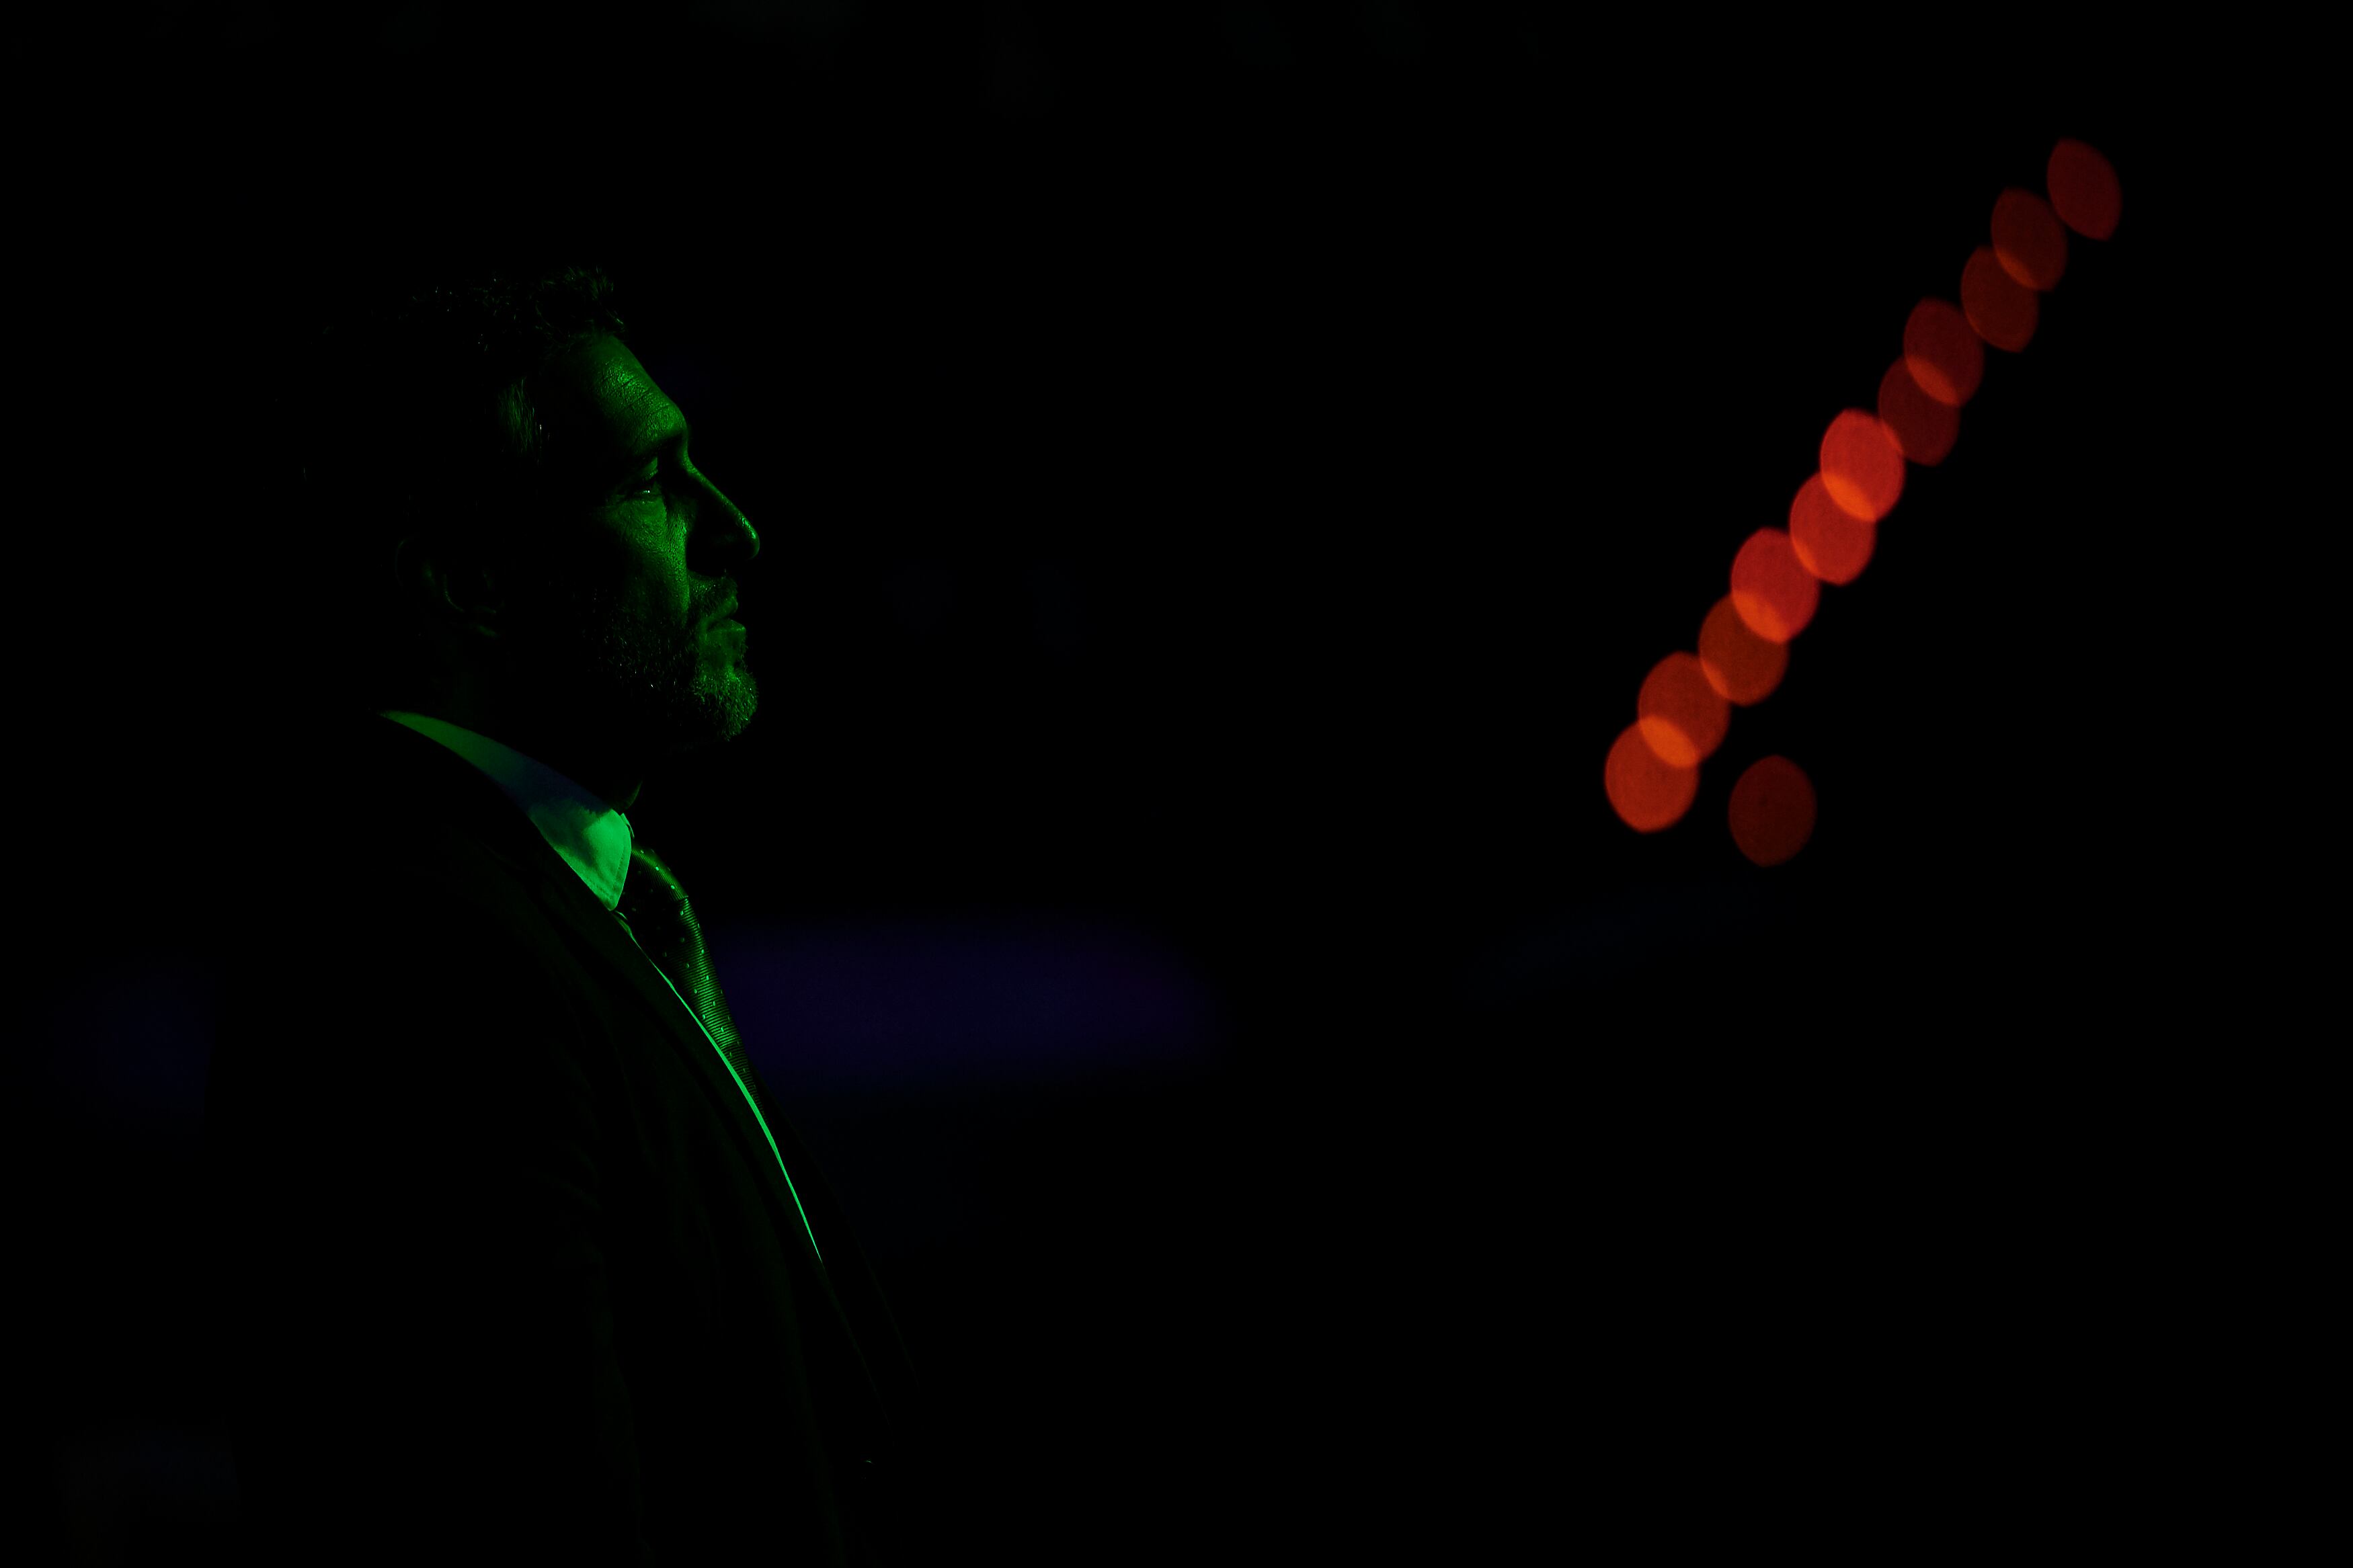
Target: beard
(652,684)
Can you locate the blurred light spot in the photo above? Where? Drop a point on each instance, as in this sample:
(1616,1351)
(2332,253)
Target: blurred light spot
(1255,33)
(1924,428)
(2084,189)
(1942,353)
(1832,542)
(2000,308)
(763,18)
(1678,928)
(1058,603)
(1016,80)
(1648,794)
(175,1483)
(1772,810)
(922,594)
(1392,28)
(1771,588)
(1743,666)
(1682,715)
(408,27)
(2029,239)
(1862,467)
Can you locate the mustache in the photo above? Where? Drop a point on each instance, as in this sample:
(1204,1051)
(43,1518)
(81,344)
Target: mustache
(579,600)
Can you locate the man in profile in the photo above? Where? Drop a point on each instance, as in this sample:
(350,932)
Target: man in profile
(522,1262)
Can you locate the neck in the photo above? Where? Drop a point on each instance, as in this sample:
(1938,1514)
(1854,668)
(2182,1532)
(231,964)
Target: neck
(614,779)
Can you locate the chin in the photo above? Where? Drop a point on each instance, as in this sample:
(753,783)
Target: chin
(721,714)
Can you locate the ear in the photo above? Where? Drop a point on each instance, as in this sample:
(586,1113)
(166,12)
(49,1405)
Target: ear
(463,592)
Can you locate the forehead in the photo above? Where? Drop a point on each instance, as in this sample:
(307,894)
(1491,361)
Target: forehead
(599,404)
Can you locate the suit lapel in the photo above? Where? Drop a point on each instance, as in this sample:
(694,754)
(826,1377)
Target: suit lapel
(484,812)
(805,1192)
(596,925)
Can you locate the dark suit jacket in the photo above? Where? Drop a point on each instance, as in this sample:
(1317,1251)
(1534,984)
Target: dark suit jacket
(509,1267)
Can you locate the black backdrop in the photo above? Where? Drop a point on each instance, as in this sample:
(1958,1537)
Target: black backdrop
(1223,473)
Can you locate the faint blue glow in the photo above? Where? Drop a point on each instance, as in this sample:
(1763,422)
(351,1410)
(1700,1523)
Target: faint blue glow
(129,1037)
(911,1004)
(1600,946)
(108,1477)
(881,1006)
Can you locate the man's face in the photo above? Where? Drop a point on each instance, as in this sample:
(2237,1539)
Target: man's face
(621,622)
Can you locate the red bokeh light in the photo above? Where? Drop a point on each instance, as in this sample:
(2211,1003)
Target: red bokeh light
(1646,793)
(1943,352)
(1743,666)
(1771,589)
(1681,715)
(1862,467)
(2084,189)
(1772,810)
(1651,774)
(2000,308)
(2028,241)
(1832,542)
(1924,428)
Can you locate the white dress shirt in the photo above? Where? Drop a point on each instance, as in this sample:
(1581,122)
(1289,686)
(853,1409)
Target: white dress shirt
(594,836)
(590,833)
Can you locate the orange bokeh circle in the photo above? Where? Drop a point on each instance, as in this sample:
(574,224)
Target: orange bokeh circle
(2084,189)
(2028,241)
(1772,810)
(1832,542)
(1771,589)
(2000,308)
(1863,466)
(1681,715)
(1743,666)
(1943,352)
(1924,428)
(1646,793)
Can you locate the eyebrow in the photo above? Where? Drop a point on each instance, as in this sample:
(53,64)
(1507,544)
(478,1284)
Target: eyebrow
(671,438)
(638,454)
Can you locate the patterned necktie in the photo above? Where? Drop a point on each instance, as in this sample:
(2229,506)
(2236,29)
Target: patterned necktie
(655,909)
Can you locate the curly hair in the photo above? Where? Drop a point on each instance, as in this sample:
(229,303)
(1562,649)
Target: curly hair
(412,413)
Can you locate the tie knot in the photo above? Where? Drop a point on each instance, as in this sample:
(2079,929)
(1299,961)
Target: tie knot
(650,880)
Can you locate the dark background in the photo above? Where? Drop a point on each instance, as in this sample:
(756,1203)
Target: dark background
(1223,473)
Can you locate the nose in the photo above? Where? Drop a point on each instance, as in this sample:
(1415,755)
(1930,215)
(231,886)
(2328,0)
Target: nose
(722,531)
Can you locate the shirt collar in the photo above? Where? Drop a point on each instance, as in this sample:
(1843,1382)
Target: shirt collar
(592,836)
